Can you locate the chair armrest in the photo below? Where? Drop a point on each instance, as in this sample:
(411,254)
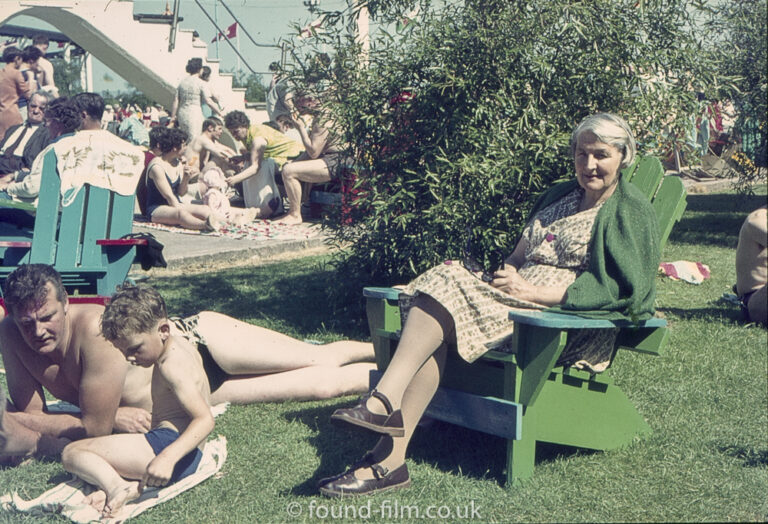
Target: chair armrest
(562,321)
(387,293)
(122,242)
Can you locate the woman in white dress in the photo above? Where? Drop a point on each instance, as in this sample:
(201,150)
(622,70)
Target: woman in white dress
(187,109)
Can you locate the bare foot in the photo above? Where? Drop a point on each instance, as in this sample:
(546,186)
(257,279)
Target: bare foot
(97,499)
(289,220)
(128,492)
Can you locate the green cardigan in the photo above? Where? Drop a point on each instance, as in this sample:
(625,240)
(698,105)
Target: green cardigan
(620,281)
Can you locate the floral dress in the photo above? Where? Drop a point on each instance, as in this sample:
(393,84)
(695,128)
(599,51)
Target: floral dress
(558,251)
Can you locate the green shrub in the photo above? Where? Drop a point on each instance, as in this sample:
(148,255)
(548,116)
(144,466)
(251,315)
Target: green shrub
(457,122)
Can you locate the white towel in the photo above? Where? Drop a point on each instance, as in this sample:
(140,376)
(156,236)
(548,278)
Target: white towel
(68,498)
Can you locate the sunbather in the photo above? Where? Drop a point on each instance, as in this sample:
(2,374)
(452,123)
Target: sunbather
(752,265)
(44,334)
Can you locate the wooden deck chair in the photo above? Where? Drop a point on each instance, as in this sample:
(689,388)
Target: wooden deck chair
(522,397)
(82,240)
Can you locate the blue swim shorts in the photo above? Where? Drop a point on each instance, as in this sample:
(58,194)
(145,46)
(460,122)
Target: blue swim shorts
(161,438)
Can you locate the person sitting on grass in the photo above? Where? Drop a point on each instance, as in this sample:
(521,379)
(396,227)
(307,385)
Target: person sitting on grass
(167,181)
(206,147)
(752,266)
(135,321)
(267,150)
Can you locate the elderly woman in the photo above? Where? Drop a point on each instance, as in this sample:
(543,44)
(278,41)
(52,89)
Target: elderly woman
(591,246)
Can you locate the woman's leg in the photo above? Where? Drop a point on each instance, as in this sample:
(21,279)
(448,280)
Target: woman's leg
(296,172)
(428,327)
(177,216)
(390,451)
(308,383)
(240,348)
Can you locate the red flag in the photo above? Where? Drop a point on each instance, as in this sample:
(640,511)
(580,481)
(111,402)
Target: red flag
(216,37)
(232,31)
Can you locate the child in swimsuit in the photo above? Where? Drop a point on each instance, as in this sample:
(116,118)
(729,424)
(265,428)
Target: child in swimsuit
(122,465)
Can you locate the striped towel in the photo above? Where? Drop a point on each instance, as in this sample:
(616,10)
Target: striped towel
(68,498)
(691,272)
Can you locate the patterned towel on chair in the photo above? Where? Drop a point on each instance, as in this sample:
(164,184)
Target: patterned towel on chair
(98,158)
(68,498)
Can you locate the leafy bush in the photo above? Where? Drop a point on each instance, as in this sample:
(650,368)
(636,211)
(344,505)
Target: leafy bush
(457,122)
(741,25)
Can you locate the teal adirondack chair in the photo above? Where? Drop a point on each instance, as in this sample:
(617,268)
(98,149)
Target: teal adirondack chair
(82,240)
(522,397)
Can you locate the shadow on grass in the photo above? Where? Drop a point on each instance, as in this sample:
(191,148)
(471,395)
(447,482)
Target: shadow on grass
(721,314)
(292,294)
(714,219)
(752,458)
(449,448)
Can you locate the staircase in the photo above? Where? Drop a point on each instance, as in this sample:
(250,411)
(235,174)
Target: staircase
(136,50)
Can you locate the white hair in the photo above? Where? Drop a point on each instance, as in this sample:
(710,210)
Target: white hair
(610,129)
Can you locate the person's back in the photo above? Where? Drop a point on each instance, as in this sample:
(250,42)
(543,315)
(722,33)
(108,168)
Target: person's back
(752,264)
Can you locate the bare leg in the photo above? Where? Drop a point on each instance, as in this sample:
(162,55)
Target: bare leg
(110,463)
(308,383)
(240,348)
(296,172)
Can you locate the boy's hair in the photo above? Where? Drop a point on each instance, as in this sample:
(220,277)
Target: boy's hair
(31,53)
(40,40)
(132,310)
(91,103)
(10,54)
(211,121)
(26,286)
(65,112)
(235,119)
(173,138)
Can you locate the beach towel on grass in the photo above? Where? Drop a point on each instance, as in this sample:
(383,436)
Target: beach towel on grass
(691,272)
(68,498)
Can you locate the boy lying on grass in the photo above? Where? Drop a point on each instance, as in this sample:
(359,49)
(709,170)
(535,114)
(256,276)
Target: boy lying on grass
(122,465)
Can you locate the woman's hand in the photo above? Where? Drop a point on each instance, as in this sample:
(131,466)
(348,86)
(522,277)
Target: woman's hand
(509,281)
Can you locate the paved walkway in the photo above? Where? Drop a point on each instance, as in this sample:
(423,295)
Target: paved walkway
(183,251)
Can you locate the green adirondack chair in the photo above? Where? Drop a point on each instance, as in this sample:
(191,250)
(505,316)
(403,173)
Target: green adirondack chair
(82,240)
(522,397)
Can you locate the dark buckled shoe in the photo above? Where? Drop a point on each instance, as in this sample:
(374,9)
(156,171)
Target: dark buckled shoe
(347,484)
(390,424)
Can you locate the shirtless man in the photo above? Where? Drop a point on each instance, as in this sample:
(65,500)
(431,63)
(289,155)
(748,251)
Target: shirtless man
(46,342)
(752,265)
(206,146)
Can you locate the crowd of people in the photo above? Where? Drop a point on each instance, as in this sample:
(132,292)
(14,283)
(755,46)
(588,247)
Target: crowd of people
(144,380)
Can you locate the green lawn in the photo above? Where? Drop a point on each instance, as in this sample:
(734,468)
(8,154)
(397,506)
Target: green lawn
(706,400)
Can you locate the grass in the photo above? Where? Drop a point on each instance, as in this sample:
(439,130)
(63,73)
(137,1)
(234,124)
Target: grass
(705,399)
